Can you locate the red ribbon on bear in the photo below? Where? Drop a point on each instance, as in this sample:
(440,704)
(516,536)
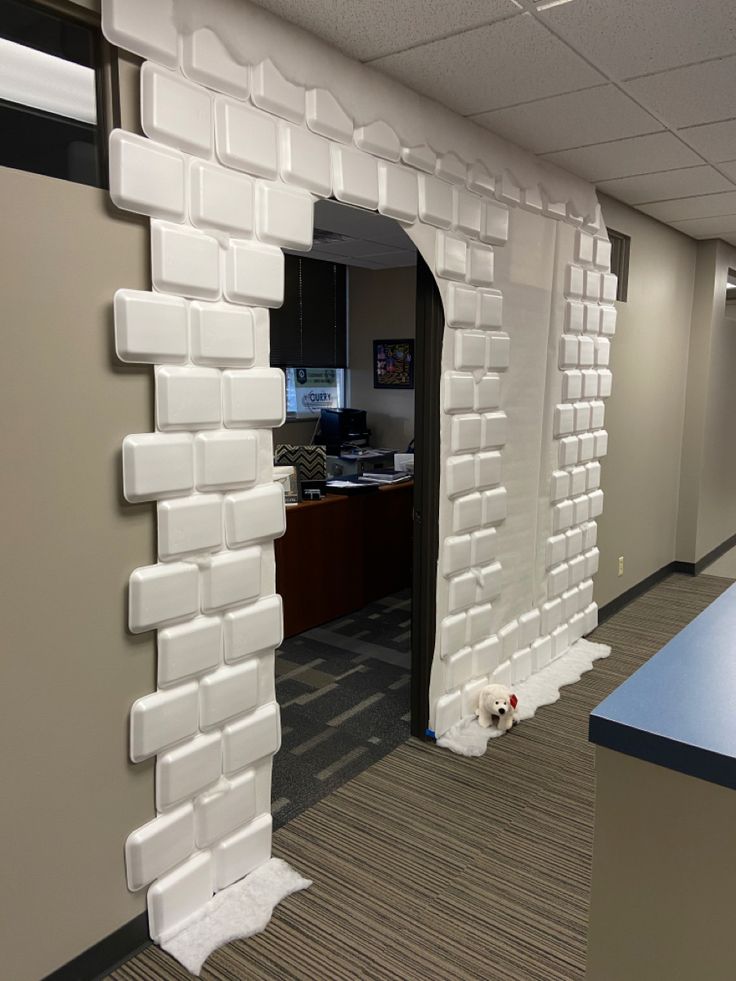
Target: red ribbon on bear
(514,701)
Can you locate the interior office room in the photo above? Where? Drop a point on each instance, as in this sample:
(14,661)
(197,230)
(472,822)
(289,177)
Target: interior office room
(369,480)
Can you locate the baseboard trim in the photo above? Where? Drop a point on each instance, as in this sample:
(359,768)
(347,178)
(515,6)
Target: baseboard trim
(102,958)
(714,554)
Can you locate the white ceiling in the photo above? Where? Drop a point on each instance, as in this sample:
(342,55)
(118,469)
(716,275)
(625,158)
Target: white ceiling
(637,96)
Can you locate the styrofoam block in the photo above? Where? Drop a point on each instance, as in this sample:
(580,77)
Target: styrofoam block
(460,475)
(150,328)
(147,29)
(568,350)
(592,318)
(498,352)
(480,264)
(459,667)
(435,201)
(575,281)
(470,349)
(254,515)
(502,674)
(450,167)
(590,383)
(206,60)
(605,383)
(451,258)
(569,603)
(601,443)
(572,385)
(479,626)
(305,160)
(229,691)
(254,274)
(158,846)
(568,452)
(576,627)
(596,503)
(157,465)
(177,896)
(586,353)
(590,534)
(494,506)
(184,261)
(602,351)
(220,199)
(556,551)
(490,581)
(494,223)
(455,554)
(521,665)
(551,615)
(175,112)
(562,515)
(461,592)
(447,711)
(158,594)
(470,695)
(509,637)
(487,469)
(246,139)
(187,398)
(480,179)
(560,485)
(529,627)
(594,221)
(573,215)
(609,283)
(577,481)
(225,459)
(577,569)
(452,633)
(226,807)
(420,157)
(580,509)
(186,770)
(560,641)
(188,649)
(355,177)
(584,246)
(608,322)
(586,593)
(467,212)
(284,217)
(253,397)
(221,334)
(482,546)
(274,93)
(256,627)
(541,653)
(379,139)
(557,209)
(493,429)
(592,475)
(602,253)
(531,199)
(597,414)
(145,177)
(490,310)
(574,319)
(507,189)
(230,578)
(466,513)
(466,433)
(458,392)
(189,524)
(487,392)
(564,420)
(582,416)
(573,542)
(558,580)
(592,285)
(397,192)
(486,656)
(251,738)
(590,618)
(325,116)
(592,558)
(586,447)
(162,718)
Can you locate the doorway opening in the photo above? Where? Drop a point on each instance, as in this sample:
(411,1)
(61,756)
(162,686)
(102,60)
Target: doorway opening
(359,338)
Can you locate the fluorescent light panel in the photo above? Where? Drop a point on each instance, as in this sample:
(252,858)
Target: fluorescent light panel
(551,3)
(42,81)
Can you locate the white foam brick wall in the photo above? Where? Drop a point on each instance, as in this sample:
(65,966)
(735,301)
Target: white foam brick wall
(233,159)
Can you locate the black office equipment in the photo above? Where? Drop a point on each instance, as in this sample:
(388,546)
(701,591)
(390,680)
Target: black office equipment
(340,426)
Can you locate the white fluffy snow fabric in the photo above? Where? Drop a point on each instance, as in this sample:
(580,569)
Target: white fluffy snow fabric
(242,910)
(469,739)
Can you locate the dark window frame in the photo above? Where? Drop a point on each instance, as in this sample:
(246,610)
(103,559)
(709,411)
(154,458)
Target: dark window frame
(620,255)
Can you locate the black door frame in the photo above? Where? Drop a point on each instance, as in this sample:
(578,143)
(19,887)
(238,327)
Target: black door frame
(430,326)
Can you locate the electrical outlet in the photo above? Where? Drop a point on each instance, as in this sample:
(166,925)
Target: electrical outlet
(620,565)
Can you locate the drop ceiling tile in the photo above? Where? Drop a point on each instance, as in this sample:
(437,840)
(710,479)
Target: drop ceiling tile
(632,37)
(687,96)
(666,185)
(729,169)
(716,141)
(700,206)
(369,30)
(571,120)
(512,61)
(708,227)
(626,158)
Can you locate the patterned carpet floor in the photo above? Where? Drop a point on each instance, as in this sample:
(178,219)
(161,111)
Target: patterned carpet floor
(436,867)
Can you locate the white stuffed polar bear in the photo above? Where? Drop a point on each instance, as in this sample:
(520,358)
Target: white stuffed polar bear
(497,703)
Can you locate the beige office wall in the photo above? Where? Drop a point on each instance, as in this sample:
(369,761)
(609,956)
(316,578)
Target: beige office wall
(69,670)
(644,416)
(382,305)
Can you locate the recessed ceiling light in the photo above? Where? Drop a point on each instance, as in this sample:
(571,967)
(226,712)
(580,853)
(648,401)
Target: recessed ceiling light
(551,3)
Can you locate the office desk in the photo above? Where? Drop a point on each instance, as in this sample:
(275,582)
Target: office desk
(341,553)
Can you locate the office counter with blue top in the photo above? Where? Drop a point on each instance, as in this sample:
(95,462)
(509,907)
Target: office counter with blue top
(663,897)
